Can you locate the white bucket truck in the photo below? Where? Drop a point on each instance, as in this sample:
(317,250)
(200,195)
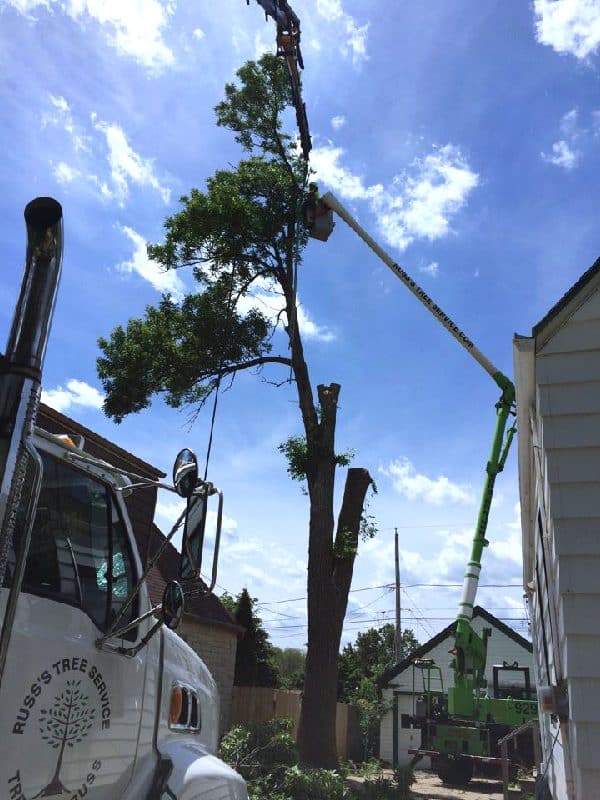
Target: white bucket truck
(99,698)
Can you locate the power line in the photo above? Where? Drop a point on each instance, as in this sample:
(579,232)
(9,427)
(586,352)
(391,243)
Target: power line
(407,619)
(405,586)
(419,613)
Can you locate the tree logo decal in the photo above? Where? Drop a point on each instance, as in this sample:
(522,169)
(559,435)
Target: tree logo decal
(65,724)
(65,704)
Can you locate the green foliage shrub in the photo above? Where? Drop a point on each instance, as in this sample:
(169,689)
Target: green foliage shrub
(379,789)
(313,784)
(264,753)
(260,750)
(404,777)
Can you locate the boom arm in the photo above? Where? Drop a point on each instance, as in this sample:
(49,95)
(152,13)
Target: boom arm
(288,46)
(470,648)
(334,204)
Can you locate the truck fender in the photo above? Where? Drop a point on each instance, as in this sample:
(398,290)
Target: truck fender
(198,775)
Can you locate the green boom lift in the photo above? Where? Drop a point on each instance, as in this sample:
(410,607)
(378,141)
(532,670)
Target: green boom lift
(473,721)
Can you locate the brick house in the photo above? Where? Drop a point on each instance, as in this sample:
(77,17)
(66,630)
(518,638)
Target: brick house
(207,626)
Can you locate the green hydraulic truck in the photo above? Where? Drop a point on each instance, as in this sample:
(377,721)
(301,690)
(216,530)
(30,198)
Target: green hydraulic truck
(464,727)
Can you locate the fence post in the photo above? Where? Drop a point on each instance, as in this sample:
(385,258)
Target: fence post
(505,775)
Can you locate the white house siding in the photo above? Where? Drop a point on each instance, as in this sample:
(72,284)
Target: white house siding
(500,648)
(567,404)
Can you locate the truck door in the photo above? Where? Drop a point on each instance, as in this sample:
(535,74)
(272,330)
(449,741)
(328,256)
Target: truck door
(70,712)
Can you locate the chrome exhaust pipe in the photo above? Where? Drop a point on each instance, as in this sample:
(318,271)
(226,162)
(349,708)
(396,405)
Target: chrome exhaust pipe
(20,386)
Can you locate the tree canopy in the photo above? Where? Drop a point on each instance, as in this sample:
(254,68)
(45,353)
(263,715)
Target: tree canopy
(370,656)
(237,235)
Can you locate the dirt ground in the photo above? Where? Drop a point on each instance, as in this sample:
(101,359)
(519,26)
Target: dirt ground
(429,787)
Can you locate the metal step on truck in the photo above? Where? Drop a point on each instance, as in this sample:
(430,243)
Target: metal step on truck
(99,697)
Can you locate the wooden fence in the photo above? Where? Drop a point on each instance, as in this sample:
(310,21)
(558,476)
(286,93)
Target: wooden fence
(257,704)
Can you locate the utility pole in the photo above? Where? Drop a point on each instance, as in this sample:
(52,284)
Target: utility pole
(398,637)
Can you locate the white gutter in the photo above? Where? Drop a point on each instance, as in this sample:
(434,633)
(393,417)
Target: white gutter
(524,372)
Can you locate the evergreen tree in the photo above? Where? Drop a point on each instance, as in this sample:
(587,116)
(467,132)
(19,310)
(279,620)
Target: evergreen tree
(254,660)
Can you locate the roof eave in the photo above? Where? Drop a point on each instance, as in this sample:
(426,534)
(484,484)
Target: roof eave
(524,371)
(560,312)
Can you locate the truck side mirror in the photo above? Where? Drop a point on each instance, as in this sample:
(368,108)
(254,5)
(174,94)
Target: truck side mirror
(185,473)
(193,537)
(172,605)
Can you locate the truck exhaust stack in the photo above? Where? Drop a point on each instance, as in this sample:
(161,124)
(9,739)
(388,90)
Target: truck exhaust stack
(20,381)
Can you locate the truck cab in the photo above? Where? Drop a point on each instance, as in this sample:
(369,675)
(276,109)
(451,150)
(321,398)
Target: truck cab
(98,699)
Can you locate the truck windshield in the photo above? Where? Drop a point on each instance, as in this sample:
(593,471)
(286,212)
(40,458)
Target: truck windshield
(79,552)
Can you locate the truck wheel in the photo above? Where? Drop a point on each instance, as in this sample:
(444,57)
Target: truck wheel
(455,771)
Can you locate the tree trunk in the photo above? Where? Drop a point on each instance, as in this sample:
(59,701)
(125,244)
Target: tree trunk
(329,576)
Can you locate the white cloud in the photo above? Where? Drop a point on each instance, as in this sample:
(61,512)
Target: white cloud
(269,301)
(60,116)
(133,27)
(198,33)
(126,165)
(76,393)
(60,104)
(64,173)
(354,37)
(431,269)
(565,153)
(326,163)
(415,486)
(569,122)
(262,44)
(417,204)
(162,280)
(338,122)
(167,510)
(309,328)
(511,547)
(577,138)
(562,155)
(569,26)
(169,506)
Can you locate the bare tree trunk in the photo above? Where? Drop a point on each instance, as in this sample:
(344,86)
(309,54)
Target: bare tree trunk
(330,564)
(330,568)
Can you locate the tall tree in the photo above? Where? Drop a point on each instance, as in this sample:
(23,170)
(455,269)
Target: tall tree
(361,665)
(241,234)
(254,658)
(370,656)
(291,664)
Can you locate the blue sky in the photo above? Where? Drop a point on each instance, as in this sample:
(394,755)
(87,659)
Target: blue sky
(463,135)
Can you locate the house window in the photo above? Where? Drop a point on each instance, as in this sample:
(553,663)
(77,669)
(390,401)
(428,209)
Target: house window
(79,552)
(543,599)
(405,721)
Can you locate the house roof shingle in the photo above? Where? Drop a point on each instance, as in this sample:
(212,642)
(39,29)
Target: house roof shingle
(569,295)
(449,630)
(205,608)
(56,422)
